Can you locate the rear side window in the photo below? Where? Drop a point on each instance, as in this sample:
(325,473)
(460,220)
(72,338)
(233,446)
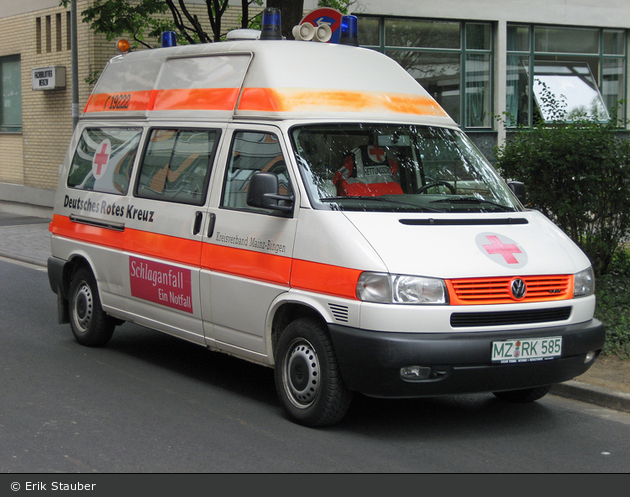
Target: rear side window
(104,159)
(176,165)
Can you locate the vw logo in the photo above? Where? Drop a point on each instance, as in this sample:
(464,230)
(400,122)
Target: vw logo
(518,288)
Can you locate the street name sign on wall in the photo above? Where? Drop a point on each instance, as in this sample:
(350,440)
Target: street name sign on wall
(49,78)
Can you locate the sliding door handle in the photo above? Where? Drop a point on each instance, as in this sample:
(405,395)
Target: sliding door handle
(211,221)
(198,220)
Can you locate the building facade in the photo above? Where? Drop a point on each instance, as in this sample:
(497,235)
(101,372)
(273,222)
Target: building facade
(479,59)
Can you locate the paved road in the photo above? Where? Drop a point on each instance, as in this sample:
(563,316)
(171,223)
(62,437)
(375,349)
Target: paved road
(149,403)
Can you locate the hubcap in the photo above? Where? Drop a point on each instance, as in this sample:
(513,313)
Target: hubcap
(83,307)
(301,374)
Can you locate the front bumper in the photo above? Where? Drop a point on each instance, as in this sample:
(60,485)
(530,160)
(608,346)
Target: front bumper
(370,361)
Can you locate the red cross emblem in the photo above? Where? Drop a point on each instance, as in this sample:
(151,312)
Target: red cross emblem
(101,158)
(505,250)
(376,154)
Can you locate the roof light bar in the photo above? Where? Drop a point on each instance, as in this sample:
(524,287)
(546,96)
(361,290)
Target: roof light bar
(169,39)
(271,24)
(349,31)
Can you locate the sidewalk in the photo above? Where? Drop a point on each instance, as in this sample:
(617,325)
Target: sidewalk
(606,384)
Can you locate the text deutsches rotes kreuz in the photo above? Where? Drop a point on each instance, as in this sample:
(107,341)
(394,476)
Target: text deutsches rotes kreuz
(90,206)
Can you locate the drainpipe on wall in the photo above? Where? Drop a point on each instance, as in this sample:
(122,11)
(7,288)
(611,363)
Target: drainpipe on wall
(75,66)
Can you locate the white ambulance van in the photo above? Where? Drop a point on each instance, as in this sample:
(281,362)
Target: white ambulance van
(309,207)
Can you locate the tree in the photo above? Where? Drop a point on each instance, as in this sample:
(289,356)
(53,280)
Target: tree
(145,20)
(292,13)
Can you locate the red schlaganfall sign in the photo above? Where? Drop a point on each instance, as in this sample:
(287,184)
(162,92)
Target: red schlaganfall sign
(161,283)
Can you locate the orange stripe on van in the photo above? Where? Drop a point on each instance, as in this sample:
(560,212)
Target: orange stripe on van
(165,247)
(119,102)
(265,100)
(303,275)
(196,99)
(246,263)
(285,100)
(323,278)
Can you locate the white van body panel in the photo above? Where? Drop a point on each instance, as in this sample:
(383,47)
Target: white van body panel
(453,251)
(329,238)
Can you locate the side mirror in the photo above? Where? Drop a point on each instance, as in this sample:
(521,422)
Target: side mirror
(263,192)
(518,188)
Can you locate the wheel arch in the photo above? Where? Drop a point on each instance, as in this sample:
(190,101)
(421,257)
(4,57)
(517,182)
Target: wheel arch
(60,273)
(285,313)
(62,280)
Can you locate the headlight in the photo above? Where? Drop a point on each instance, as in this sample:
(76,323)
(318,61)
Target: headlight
(400,289)
(584,283)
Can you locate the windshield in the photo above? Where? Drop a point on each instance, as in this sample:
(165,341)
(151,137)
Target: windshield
(372,167)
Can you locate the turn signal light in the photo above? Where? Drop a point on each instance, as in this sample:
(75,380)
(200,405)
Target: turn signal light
(123,45)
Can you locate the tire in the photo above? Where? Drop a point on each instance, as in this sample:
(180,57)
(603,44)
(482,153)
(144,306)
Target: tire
(307,376)
(524,395)
(91,326)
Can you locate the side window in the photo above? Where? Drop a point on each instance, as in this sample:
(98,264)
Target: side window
(253,152)
(176,165)
(103,159)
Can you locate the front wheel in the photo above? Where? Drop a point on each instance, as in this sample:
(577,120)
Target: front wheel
(90,325)
(307,375)
(524,395)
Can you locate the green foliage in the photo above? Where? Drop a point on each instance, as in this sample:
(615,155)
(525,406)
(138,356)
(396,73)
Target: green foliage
(340,5)
(143,20)
(613,305)
(578,174)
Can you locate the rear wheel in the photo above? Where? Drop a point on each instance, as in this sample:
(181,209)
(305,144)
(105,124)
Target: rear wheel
(90,325)
(524,395)
(307,375)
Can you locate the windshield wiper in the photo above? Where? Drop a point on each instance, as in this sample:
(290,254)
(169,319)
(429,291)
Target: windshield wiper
(415,207)
(472,200)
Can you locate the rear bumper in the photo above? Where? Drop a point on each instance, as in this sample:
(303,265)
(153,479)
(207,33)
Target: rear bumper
(370,361)
(56,275)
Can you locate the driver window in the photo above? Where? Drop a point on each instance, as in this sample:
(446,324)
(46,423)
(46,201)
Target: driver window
(253,152)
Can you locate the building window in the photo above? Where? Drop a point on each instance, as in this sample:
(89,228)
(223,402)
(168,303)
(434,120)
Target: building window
(11,88)
(452,60)
(581,69)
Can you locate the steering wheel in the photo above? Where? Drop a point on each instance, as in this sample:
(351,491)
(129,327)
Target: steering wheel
(424,188)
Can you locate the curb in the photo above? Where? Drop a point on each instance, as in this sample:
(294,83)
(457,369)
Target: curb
(27,260)
(593,394)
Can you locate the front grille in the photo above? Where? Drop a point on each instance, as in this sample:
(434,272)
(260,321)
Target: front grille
(505,318)
(484,291)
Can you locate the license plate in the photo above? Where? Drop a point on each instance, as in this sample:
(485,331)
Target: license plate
(525,350)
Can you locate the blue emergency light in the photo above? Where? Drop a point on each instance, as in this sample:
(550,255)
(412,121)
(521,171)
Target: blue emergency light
(349,31)
(169,39)
(271,29)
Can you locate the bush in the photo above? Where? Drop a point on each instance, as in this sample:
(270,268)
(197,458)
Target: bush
(613,305)
(578,175)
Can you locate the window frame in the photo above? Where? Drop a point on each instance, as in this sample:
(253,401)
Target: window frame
(531,54)
(465,60)
(17,127)
(212,156)
(132,164)
(227,165)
